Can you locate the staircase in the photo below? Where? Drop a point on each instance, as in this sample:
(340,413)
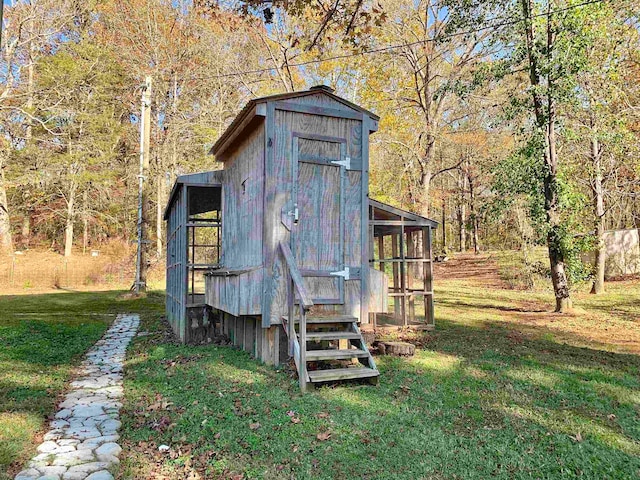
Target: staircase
(325,348)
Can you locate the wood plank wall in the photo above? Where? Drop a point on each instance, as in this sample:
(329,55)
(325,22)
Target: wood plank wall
(243,202)
(236,294)
(242,207)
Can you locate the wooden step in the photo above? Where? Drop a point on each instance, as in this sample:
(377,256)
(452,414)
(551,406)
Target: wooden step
(326,319)
(316,355)
(341,374)
(311,336)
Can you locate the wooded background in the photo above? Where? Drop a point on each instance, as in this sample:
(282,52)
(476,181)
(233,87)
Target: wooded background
(514,123)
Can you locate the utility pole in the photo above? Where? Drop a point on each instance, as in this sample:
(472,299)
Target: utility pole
(143,200)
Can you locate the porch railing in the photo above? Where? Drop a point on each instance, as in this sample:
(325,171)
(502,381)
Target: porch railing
(296,288)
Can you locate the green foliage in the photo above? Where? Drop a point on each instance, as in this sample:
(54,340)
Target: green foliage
(521,177)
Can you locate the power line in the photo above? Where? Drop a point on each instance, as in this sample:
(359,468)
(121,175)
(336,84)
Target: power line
(388,48)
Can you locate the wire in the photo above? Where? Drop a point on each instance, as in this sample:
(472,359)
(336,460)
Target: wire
(410,44)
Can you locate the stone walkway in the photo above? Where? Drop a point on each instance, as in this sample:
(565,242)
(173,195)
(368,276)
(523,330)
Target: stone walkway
(82,443)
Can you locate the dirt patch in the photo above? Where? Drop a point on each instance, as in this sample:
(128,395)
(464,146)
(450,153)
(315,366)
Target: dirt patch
(583,328)
(481,269)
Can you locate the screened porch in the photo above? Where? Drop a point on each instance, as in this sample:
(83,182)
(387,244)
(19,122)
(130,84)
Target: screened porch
(401,248)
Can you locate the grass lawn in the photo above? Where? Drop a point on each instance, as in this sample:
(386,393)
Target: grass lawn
(43,337)
(502,389)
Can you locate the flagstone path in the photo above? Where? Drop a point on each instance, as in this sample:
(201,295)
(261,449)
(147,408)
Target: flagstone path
(82,442)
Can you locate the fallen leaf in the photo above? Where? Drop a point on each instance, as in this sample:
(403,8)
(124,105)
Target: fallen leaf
(295,420)
(577,437)
(254,426)
(323,436)
(323,415)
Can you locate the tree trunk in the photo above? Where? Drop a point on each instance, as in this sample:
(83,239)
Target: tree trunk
(462,212)
(474,217)
(426,175)
(85,221)
(68,231)
(552,207)
(546,122)
(552,204)
(598,201)
(425,184)
(6,242)
(26,227)
(444,223)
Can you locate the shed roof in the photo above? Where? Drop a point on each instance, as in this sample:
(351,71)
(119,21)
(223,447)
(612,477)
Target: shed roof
(251,109)
(387,219)
(201,179)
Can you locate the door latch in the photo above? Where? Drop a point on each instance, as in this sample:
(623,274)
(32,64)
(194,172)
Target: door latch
(294,213)
(342,273)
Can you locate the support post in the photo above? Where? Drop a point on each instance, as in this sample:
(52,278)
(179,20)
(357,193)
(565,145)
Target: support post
(302,367)
(395,250)
(403,280)
(428,276)
(383,269)
(291,326)
(411,273)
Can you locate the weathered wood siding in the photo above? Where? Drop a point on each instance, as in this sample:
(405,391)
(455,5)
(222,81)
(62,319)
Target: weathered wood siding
(242,207)
(243,203)
(283,125)
(236,294)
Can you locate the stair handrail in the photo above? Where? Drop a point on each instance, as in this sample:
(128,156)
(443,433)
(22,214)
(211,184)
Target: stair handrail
(296,285)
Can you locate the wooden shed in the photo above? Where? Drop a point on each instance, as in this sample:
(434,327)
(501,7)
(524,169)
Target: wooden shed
(294,275)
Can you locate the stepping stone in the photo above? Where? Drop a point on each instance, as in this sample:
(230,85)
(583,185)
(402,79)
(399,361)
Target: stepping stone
(101,475)
(56,472)
(29,474)
(87,411)
(109,449)
(65,413)
(47,447)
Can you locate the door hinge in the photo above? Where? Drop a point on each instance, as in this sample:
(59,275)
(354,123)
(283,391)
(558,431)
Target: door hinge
(342,273)
(346,163)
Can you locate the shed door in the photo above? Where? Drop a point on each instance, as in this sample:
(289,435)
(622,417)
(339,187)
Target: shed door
(318,237)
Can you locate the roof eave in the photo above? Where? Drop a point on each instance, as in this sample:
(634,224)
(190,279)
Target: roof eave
(253,109)
(403,213)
